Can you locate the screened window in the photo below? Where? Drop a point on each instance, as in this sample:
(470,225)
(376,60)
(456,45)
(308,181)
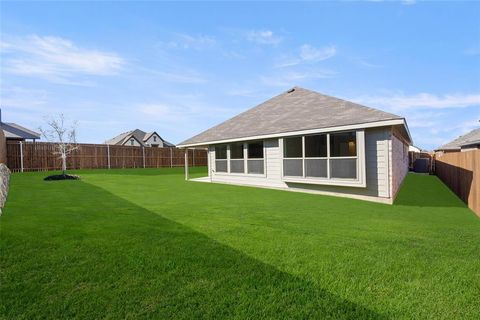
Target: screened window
(255,150)
(255,162)
(316,146)
(237,164)
(343,144)
(293,153)
(292,147)
(236,151)
(328,156)
(221,158)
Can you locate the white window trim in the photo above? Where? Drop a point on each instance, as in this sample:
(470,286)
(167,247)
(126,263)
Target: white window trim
(360,181)
(245,163)
(214,169)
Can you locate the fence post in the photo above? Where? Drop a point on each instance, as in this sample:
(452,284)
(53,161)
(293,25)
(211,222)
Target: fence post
(143,152)
(21,156)
(171,157)
(186,164)
(108,156)
(193,157)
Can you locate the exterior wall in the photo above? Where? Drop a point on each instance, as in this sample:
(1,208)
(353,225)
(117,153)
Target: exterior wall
(377,158)
(150,141)
(135,143)
(399,163)
(3,147)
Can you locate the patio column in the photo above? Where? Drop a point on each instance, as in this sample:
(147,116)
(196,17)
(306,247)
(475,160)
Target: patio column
(186,163)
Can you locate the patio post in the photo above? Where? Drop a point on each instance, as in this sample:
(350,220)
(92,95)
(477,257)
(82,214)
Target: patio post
(21,156)
(108,156)
(186,163)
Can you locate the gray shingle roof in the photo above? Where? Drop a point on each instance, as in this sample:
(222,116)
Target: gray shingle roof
(139,135)
(294,110)
(471,138)
(15,131)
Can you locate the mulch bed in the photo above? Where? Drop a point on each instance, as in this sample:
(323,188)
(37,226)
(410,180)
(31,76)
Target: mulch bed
(62,177)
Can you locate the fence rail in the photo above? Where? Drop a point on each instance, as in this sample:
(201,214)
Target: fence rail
(38,156)
(460,171)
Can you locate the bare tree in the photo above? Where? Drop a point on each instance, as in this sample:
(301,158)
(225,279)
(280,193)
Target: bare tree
(63,135)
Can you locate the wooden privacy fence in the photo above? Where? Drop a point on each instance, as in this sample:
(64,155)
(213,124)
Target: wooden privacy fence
(460,171)
(38,156)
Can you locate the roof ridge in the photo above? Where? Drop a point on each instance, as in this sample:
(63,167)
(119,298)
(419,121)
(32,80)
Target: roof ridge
(292,110)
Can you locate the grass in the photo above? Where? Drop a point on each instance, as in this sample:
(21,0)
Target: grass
(145,243)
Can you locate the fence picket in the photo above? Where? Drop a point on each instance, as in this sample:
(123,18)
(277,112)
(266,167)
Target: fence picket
(460,171)
(38,156)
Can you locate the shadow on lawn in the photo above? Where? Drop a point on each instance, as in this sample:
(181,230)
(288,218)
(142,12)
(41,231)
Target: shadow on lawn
(108,257)
(426,191)
(144,172)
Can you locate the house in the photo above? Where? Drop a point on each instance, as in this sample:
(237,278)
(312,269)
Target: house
(467,142)
(302,140)
(16,132)
(139,138)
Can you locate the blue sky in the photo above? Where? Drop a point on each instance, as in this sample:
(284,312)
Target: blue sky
(179,68)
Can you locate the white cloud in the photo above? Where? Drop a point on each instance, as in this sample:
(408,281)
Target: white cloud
(186,41)
(409,2)
(263,37)
(307,53)
(55,58)
(421,100)
(178,76)
(433,119)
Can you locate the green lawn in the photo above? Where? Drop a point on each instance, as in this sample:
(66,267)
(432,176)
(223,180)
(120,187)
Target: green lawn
(145,243)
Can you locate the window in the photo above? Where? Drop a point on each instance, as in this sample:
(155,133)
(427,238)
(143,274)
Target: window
(221,164)
(325,156)
(343,153)
(293,154)
(155,138)
(255,157)
(132,142)
(316,156)
(343,144)
(237,163)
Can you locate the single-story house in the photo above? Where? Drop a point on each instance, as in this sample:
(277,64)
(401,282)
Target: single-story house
(302,140)
(139,138)
(467,142)
(15,132)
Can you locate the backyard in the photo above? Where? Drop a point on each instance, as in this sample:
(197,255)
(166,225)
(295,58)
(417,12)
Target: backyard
(145,243)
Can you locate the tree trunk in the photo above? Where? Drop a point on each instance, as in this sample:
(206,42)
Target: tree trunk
(64,164)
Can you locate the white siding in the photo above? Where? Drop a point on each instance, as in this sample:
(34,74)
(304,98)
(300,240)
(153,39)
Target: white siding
(129,143)
(377,141)
(151,141)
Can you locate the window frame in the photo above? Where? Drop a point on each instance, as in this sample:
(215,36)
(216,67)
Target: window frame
(226,159)
(245,160)
(359,181)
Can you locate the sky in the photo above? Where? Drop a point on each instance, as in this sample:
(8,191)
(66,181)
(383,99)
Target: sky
(180,68)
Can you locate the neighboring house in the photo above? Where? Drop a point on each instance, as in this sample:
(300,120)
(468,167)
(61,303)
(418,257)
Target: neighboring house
(16,132)
(302,140)
(139,138)
(467,142)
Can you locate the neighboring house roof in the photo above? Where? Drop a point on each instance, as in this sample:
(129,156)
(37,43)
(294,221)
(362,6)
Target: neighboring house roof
(295,110)
(15,131)
(468,139)
(137,134)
